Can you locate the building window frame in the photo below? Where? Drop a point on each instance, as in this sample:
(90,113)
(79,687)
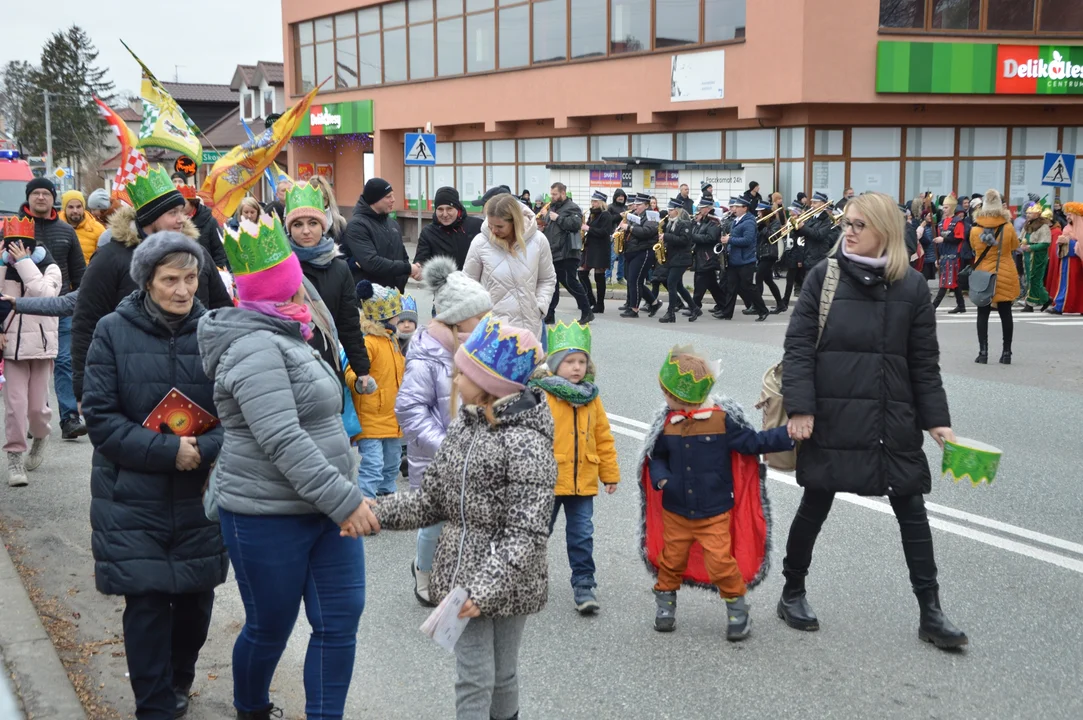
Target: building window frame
(982,29)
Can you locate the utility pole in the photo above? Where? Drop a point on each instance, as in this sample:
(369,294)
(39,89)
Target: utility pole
(48,139)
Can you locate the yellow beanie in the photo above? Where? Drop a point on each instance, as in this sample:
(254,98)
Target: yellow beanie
(71,195)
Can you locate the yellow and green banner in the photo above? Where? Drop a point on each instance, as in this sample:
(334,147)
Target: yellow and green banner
(343,118)
(978,68)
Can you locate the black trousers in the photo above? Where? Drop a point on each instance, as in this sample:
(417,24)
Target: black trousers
(636,275)
(163,635)
(568,276)
(944,291)
(795,278)
(765,275)
(739,281)
(1004,309)
(599,280)
(677,290)
(917,538)
(707,282)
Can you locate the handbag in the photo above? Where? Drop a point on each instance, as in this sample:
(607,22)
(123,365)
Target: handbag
(982,283)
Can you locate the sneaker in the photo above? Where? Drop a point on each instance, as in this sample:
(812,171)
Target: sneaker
(72,428)
(665,610)
(739,623)
(37,453)
(585,601)
(16,470)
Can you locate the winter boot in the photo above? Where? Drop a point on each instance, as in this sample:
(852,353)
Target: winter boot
(421,586)
(983,355)
(793,606)
(587,317)
(599,307)
(665,610)
(957,310)
(669,317)
(586,602)
(739,624)
(935,627)
(182,692)
(695,313)
(1006,357)
(72,428)
(266,714)
(16,470)
(655,307)
(37,453)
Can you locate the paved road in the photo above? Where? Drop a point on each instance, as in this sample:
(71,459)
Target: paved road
(1010,557)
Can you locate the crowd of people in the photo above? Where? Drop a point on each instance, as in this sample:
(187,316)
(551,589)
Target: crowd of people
(309,385)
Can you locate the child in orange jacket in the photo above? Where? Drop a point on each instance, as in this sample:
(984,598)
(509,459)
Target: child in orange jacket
(584,448)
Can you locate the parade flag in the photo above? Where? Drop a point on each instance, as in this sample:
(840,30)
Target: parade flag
(240,169)
(134,163)
(273,173)
(124,134)
(165,124)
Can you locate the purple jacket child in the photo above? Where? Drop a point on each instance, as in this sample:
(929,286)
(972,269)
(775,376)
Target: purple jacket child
(424,401)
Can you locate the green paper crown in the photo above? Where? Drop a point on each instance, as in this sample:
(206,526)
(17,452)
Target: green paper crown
(683,385)
(151,186)
(304,195)
(568,337)
(252,248)
(970,460)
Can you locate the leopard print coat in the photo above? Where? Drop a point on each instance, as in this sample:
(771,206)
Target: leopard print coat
(493,487)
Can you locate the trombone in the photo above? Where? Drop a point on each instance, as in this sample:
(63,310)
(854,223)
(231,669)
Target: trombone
(794,224)
(770,215)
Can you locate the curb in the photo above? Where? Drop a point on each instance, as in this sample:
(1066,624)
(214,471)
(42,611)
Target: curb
(38,676)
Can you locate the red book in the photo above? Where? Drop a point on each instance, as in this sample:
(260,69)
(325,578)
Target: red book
(178,414)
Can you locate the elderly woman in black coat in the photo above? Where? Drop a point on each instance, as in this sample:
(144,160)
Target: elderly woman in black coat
(151,540)
(859,397)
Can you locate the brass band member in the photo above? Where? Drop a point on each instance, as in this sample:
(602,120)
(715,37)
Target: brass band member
(793,259)
(677,240)
(642,236)
(597,227)
(706,234)
(767,254)
(741,271)
(819,232)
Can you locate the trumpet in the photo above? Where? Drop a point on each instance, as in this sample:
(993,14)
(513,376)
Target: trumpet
(619,235)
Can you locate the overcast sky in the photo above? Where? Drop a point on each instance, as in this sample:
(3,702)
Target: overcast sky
(206,38)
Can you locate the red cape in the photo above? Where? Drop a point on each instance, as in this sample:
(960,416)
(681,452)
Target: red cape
(1065,277)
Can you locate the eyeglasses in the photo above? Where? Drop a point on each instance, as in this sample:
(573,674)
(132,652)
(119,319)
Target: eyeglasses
(857,226)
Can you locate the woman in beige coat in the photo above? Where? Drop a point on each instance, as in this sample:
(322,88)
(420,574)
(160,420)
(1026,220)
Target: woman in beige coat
(511,259)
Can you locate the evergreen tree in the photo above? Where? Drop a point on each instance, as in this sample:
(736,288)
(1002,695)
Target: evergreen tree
(16,87)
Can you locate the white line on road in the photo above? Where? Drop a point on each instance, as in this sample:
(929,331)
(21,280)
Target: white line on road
(1013,546)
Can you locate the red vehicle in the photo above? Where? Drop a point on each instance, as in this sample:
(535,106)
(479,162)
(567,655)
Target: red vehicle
(14,174)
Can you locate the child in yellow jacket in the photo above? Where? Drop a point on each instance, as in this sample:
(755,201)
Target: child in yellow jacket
(380,442)
(584,448)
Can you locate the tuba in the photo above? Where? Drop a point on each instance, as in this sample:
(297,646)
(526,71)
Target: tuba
(660,246)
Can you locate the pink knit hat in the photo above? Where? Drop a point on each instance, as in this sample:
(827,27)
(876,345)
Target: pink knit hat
(275,284)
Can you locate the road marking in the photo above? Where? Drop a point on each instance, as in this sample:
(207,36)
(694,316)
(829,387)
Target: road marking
(881,506)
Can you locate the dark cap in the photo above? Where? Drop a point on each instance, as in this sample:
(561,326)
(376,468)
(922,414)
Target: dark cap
(376,189)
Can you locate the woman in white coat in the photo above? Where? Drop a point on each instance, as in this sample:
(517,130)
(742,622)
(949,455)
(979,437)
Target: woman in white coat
(511,259)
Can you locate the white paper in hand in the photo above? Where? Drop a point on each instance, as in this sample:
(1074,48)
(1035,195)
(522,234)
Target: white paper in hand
(653,216)
(444,624)
(635,219)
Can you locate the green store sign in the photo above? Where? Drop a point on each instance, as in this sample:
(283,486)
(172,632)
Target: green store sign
(978,68)
(343,118)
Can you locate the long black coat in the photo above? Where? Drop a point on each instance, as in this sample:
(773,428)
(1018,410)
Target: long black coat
(705,237)
(149,531)
(451,241)
(374,244)
(678,240)
(335,285)
(819,234)
(597,243)
(873,384)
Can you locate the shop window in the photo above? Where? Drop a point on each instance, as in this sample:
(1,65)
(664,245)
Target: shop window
(421,52)
(500,151)
(791,143)
(603,146)
(325,29)
(448,8)
(983,142)
(827,142)
(570,149)
(394,55)
(902,13)
(588,30)
(369,60)
(630,26)
(828,178)
(654,145)
(1073,142)
(449,47)
(1062,16)
(1034,140)
(875,142)
(676,22)
(420,11)
(394,14)
(723,20)
(791,180)
(1010,15)
(534,178)
(550,31)
(924,176)
(750,144)
(956,14)
(442,176)
(480,56)
(325,61)
(1025,177)
(699,146)
(536,150)
(470,181)
(930,142)
(514,29)
(977,176)
(469,152)
(880,176)
(500,175)
(368,20)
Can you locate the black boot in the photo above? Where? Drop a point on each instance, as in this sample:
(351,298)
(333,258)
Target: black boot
(957,310)
(550,319)
(266,714)
(182,692)
(599,307)
(983,354)
(935,627)
(629,313)
(587,317)
(669,317)
(793,606)
(655,307)
(665,610)
(696,312)
(1006,357)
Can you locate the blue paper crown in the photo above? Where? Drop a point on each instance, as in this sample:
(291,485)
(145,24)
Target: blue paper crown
(409,304)
(503,351)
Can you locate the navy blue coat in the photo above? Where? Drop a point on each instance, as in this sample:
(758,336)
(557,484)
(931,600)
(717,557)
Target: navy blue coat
(743,239)
(149,530)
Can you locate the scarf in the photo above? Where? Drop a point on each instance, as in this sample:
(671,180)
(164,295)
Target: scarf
(679,416)
(170,321)
(576,394)
(872,263)
(319,255)
(283,311)
(444,335)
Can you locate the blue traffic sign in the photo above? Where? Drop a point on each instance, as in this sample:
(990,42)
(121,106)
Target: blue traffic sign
(1058,169)
(420,149)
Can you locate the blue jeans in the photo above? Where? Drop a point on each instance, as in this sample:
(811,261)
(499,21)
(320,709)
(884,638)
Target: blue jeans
(579,531)
(65,395)
(618,258)
(426,546)
(379,467)
(278,561)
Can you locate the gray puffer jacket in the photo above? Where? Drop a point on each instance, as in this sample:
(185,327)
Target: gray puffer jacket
(285,450)
(493,486)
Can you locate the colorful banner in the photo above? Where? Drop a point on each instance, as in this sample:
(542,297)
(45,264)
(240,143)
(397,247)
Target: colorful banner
(978,68)
(305,171)
(326,170)
(123,133)
(343,118)
(667,179)
(605,178)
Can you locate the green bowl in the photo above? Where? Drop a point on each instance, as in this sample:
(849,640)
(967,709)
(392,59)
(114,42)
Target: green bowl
(970,460)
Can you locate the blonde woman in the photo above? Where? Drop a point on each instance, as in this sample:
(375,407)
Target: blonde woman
(336,223)
(512,261)
(249,210)
(858,398)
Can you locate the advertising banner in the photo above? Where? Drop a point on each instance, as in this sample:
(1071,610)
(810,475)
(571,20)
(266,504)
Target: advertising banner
(605,178)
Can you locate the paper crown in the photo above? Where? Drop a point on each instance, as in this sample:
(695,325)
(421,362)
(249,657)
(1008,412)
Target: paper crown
(568,337)
(970,460)
(409,304)
(684,385)
(502,351)
(188,192)
(304,195)
(149,186)
(379,303)
(16,227)
(254,247)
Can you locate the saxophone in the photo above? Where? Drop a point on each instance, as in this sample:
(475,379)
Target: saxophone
(660,247)
(620,235)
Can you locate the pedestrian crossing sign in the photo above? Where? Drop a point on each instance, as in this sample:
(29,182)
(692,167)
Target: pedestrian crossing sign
(1058,169)
(420,149)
